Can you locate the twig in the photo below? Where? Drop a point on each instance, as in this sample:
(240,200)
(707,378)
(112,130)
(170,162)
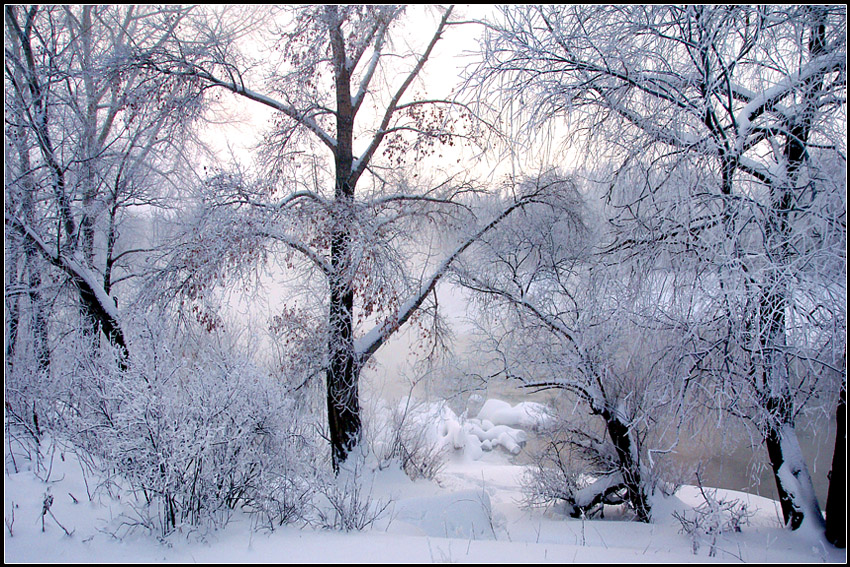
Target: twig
(45,509)
(9,523)
(67,533)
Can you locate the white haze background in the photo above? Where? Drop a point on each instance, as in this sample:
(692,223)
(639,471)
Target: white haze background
(471,513)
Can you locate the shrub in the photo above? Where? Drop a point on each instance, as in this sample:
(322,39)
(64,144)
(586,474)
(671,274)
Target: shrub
(346,502)
(401,435)
(195,433)
(712,518)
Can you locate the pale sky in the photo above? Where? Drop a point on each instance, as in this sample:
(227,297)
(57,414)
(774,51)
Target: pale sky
(248,120)
(452,54)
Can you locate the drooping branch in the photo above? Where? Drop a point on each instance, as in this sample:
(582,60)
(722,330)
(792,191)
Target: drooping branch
(367,345)
(186,69)
(299,247)
(97,301)
(478,285)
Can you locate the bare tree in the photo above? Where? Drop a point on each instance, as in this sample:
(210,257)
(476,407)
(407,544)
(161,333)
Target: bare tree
(558,318)
(23,273)
(346,120)
(90,137)
(728,126)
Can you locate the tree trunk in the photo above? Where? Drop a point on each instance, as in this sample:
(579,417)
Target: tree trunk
(39,321)
(343,372)
(344,369)
(12,319)
(100,320)
(342,378)
(793,483)
(621,437)
(836,500)
(38,318)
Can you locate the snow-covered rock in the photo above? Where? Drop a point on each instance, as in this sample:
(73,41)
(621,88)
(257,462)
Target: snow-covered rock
(526,415)
(499,424)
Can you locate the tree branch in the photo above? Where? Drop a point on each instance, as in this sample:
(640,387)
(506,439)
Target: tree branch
(366,346)
(363,162)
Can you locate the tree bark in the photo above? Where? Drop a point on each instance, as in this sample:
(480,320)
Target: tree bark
(12,318)
(793,482)
(343,373)
(39,320)
(621,437)
(836,499)
(791,515)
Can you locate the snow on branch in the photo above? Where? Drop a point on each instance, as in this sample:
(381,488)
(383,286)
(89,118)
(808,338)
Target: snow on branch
(82,276)
(367,345)
(769,99)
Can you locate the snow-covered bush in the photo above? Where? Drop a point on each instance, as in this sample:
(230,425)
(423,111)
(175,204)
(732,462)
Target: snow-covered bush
(345,501)
(25,413)
(401,435)
(194,432)
(712,518)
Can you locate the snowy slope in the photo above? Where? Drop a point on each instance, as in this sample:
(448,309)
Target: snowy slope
(471,514)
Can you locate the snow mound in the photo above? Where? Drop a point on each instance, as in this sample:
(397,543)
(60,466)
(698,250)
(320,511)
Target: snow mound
(527,415)
(466,515)
(499,424)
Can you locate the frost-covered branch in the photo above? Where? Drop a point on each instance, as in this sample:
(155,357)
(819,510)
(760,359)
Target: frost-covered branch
(392,106)
(98,301)
(366,346)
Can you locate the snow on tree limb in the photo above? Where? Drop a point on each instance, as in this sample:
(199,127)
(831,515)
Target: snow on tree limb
(366,346)
(363,161)
(82,276)
(375,338)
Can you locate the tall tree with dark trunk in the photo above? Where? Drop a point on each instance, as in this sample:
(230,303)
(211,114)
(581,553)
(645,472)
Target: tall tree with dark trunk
(346,118)
(728,126)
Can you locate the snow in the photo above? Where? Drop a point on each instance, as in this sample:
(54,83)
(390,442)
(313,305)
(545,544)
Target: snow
(471,513)
(528,415)
(796,480)
(490,430)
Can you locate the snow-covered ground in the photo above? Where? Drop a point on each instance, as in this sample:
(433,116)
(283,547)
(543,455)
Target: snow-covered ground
(471,513)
